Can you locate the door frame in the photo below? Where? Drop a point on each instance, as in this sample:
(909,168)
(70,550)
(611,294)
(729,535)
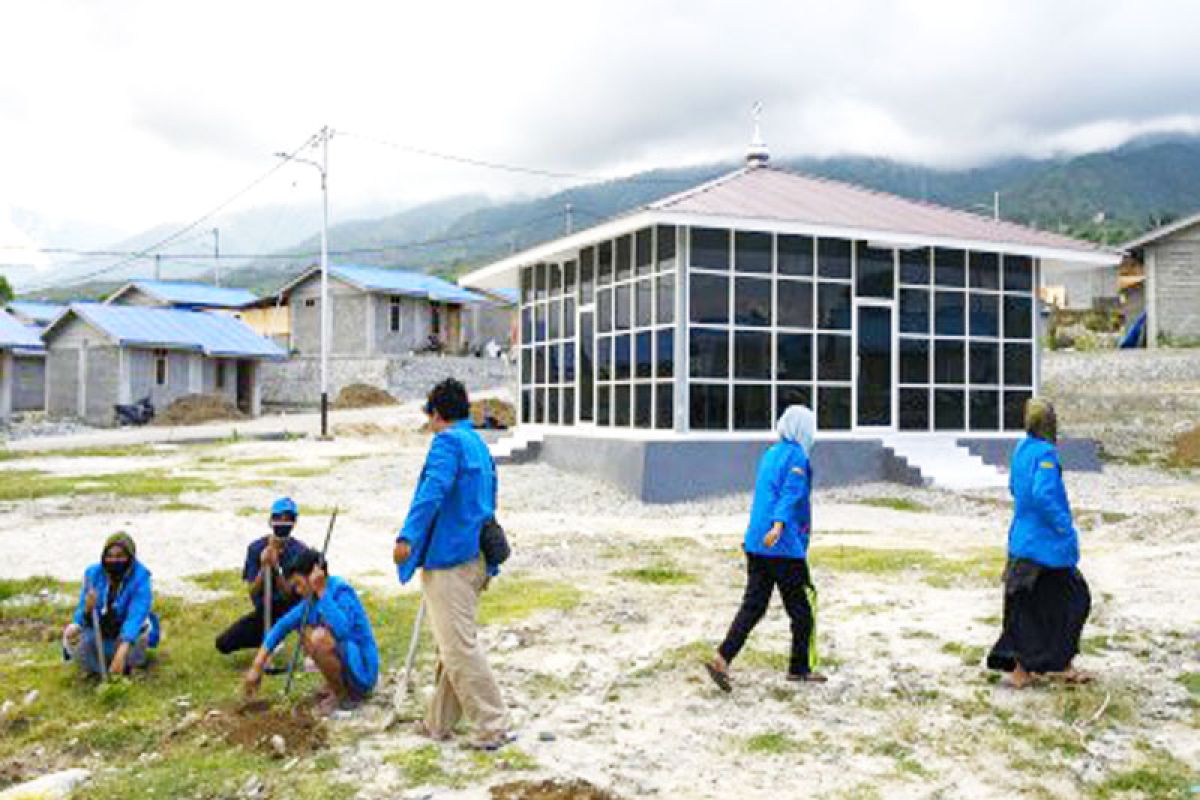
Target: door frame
(891,305)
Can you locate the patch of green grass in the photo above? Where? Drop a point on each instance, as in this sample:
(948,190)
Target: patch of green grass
(300,472)
(175,505)
(1094,645)
(116,451)
(18,587)
(984,565)
(220,580)
(902,755)
(305,510)
(512,599)
(429,765)
(1160,776)
(1190,681)
(660,574)
(772,743)
(31,484)
(894,503)
(421,766)
(971,655)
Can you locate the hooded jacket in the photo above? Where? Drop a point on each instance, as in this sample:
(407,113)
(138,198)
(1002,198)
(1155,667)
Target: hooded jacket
(781,494)
(455,495)
(132,604)
(1042,529)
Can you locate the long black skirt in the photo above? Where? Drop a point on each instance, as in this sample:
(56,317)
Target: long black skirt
(1044,613)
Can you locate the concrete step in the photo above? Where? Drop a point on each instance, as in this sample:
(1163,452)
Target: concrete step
(943,463)
(523,445)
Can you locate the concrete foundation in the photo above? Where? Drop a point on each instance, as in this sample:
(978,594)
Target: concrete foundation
(1076,455)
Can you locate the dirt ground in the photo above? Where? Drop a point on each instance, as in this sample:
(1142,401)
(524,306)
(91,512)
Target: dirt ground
(611,692)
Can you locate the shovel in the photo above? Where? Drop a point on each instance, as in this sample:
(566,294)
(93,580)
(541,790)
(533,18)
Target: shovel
(99,639)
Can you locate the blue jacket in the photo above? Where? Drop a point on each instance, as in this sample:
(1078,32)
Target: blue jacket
(342,612)
(456,494)
(132,605)
(781,494)
(1042,530)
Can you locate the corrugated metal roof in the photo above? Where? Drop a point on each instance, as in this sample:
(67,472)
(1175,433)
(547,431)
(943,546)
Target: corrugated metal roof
(769,193)
(16,335)
(1162,232)
(42,313)
(188,293)
(178,329)
(398,281)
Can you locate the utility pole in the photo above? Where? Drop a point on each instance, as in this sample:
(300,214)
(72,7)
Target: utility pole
(569,221)
(158,266)
(996,206)
(216,232)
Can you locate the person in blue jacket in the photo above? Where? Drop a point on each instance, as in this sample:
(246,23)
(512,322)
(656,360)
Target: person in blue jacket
(776,547)
(455,496)
(337,634)
(1046,599)
(115,598)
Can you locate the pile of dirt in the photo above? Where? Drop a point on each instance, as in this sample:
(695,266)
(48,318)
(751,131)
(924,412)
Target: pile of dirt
(1186,452)
(551,790)
(361,395)
(279,732)
(193,409)
(495,414)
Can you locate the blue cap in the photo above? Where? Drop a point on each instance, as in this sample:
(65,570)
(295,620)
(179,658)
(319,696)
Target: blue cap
(284,505)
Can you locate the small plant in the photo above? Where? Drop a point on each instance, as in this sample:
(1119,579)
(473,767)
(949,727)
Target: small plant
(895,503)
(114,692)
(773,743)
(662,574)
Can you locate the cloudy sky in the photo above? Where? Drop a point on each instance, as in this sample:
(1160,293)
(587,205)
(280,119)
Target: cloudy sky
(117,116)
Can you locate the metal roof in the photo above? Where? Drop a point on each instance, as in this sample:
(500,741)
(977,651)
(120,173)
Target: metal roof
(174,329)
(393,281)
(39,312)
(1161,233)
(16,335)
(188,293)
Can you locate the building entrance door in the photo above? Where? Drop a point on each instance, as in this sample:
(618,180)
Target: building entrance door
(874,376)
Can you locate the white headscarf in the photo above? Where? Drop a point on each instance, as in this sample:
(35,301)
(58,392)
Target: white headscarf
(798,424)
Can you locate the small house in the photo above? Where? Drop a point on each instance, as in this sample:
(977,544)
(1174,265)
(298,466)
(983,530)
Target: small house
(1170,258)
(101,355)
(35,312)
(180,294)
(22,359)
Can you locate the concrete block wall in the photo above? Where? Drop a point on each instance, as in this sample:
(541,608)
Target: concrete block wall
(1176,284)
(29,383)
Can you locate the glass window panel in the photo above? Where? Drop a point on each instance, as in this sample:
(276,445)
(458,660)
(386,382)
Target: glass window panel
(752,252)
(568,362)
(643,411)
(642,355)
(914,409)
(666,299)
(985,410)
(876,275)
(539,406)
(833,357)
(710,248)
(539,364)
(622,405)
(568,408)
(985,314)
(556,280)
(795,301)
(622,357)
(604,264)
(527,324)
(790,394)
(914,266)
(949,361)
(1018,364)
(833,408)
(664,412)
(833,258)
(552,416)
(709,353)
(1018,316)
(539,323)
(526,365)
(555,364)
(752,407)
(568,318)
(665,244)
(949,313)
(569,277)
(914,311)
(643,252)
(604,310)
(793,360)
(1014,410)
(604,404)
(752,355)
(985,270)
(985,363)
(539,281)
(587,359)
(644,307)
(709,406)
(1018,274)
(624,268)
(604,358)
(526,284)
(914,360)
(795,255)
(665,355)
(553,319)
(752,303)
(833,306)
(949,267)
(949,412)
(709,299)
(622,313)
(587,275)
(527,406)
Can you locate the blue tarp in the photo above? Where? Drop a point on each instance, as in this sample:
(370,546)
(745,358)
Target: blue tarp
(196,295)
(213,334)
(1135,334)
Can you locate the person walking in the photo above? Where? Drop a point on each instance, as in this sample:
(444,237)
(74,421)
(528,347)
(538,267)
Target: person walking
(776,547)
(454,498)
(1046,599)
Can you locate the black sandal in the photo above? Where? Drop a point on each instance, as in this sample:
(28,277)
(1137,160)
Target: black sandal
(719,677)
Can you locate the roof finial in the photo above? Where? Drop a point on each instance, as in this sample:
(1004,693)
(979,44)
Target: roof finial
(757,154)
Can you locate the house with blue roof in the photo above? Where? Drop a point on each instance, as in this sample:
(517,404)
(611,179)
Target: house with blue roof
(377,312)
(100,355)
(35,312)
(21,367)
(181,294)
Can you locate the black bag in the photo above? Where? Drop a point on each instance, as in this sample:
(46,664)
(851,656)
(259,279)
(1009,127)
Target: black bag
(493,543)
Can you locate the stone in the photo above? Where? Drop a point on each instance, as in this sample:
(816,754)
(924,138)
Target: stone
(55,786)
(278,745)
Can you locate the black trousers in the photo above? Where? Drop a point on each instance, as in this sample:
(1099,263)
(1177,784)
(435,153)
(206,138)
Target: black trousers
(1044,614)
(763,574)
(246,633)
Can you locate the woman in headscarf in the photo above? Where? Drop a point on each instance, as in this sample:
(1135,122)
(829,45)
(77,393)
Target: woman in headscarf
(114,602)
(1046,599)
(776,547)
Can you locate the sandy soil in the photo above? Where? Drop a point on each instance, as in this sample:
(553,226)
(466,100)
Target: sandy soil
(611,691)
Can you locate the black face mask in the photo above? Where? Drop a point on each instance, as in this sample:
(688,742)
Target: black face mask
(116,569)
(282,529)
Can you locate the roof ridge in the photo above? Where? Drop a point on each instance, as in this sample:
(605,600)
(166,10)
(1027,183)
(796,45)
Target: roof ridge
(707,186)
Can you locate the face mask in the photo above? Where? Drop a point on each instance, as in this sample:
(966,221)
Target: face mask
(116,569)
(282,529)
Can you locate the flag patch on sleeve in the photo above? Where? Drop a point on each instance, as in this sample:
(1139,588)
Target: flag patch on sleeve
(1047,465)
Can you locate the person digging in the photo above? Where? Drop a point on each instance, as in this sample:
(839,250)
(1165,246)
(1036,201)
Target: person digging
(335,633)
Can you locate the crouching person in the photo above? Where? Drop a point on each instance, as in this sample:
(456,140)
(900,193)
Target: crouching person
(114,627)
(337,634)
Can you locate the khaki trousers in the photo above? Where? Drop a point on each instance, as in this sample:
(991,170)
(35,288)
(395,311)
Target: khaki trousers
(464,682)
